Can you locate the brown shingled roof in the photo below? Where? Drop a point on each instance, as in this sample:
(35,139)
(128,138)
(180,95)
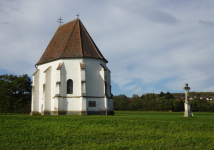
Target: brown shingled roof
(71,40)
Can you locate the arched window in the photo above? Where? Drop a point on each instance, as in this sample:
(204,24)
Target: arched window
(69,86)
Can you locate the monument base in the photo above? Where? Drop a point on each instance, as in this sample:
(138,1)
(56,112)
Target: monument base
(187,112)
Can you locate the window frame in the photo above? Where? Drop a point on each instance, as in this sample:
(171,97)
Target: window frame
(70,86)
(91,103)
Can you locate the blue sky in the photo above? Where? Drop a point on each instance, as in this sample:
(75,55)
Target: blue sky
(151,45)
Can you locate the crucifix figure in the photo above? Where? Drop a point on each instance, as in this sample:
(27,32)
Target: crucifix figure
(60,21)
(77,15)
(187,107)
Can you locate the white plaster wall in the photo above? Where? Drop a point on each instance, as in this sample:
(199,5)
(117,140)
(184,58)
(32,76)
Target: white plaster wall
(71,104)
(36,93)
(108,80)
(94,79)
(110,104)
(48,97)
(83,104)
(82,74)
(42,104)
(100,104)
(57,75)
(57,87)
(42,80)
(62,84)
(83,88)
(83,84)
(61,104)
(56,103)
(71,70)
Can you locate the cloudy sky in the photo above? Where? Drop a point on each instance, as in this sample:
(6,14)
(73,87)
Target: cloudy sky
(151,45)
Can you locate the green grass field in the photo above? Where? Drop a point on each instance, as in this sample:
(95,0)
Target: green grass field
(125,130)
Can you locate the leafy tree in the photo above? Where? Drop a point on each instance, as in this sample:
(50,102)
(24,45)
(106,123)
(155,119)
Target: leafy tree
(136,103)
(121,102)
(15,92)
(169,96)
(176,105)
(161,94)
(181,105)
(158,102)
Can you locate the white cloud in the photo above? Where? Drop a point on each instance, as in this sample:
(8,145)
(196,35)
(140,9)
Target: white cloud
(151,46)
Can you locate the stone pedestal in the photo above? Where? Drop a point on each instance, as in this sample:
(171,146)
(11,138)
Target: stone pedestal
(187,108)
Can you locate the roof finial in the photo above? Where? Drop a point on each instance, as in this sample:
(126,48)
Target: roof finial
(77,15)
(60,21)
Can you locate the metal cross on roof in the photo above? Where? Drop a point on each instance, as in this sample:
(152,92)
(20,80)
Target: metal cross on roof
(77,15)
(60,21)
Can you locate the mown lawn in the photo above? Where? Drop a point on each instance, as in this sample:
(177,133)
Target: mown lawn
(125,130)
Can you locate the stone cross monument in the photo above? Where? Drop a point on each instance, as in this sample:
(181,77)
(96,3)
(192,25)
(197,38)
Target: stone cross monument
(187,107)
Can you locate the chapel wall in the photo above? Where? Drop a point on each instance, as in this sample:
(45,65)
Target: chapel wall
(110,104)
(54,66)
(94,79)
(49,79)
(72,104)
(61,104)
(100,104)
(36,92)
(71,71)
(108,80)
(48,87)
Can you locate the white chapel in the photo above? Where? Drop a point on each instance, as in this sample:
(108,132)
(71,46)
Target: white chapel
(72,77)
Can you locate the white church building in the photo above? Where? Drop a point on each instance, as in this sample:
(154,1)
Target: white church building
(72,77)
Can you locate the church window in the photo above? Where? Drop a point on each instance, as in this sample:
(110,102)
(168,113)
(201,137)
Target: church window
(69,86)
(92,103)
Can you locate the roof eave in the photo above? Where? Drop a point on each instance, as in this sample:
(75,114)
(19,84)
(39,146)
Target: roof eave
(68,58)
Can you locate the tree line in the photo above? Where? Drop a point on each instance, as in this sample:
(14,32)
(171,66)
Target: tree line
(15,97)
(194,94)
(158,102)
(15,94)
